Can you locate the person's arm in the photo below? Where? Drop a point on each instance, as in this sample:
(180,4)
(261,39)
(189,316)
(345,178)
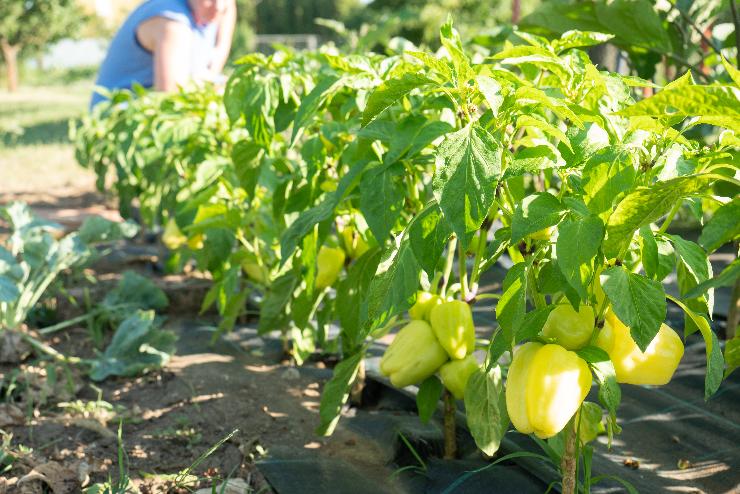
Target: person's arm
(226,26)
(169,41)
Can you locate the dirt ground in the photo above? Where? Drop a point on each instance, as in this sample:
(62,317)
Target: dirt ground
(169,418)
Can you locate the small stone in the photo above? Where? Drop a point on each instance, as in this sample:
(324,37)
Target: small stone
(632,463)
(291,374)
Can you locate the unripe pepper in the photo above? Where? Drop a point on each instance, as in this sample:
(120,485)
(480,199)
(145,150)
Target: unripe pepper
(570,329)
(655,367)
(452,323)
(455,375)
(196,242)
(172,237)
(545,387)
(543,234)
(414,355)
(425,301)
(330,261)
(354,244)
(254,271)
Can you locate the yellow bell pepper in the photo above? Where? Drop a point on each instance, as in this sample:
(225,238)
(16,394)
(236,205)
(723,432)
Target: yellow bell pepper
(172,237)
(452,323)
(425,301)
(543,234)
(455,375)
(655,367)
(545,388)
(414,355)
(196,242)
(354,244)
(330,261)
(570,329)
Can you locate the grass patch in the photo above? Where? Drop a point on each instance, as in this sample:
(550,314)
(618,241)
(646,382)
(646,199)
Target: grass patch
(35,151)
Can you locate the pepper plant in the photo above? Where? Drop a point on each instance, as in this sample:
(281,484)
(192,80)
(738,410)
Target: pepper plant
(375,192)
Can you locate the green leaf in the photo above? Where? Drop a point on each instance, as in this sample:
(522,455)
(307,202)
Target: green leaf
(578,243)
(541,57)
(272,310)
(585,142)
(561,17)
(530,95)
(394,285)
(137,291)
(607,175)
(649,252)
(533,323)
(610,394)
(638,302)
(336,393)
(644,206)
(723,227)
(634,22)
(691,101)
(428,397)
(485,409)
(578,39)
(8,290)
(715,361)
(308,219)
(491,91)
(525,121)
(726,278)
(96,229)
(535,212)
(464,184)
(453,44)
(693,268)
(381,199)
(351,292)
(732,355)
(244,158)
(428,234)
(389,92)
(138,346)
(512,305)
(312,102)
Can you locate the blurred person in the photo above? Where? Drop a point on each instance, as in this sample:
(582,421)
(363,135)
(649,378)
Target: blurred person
(165,43)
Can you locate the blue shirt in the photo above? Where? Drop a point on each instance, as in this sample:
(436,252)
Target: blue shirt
(127,62)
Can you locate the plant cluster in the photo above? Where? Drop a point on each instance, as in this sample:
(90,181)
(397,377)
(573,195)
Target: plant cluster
(349,189)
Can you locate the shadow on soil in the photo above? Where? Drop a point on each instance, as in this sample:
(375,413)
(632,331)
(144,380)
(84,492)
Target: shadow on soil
(53,132)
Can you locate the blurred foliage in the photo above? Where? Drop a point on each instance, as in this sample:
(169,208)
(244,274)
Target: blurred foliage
(27,26)
(420,19)
(284,17)
(661,38)
(33,23)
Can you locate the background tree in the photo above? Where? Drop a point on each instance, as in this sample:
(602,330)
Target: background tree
(31,25)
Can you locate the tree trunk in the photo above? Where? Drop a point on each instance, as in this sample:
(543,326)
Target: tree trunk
(516,11)
(10,55)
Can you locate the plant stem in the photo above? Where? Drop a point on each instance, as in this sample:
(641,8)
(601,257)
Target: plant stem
(449,426)
(568,462)
(355,394)
(696,28)
(463,272)
(44,348)
(736,21)
(733,315)
(669,218)
(448,266)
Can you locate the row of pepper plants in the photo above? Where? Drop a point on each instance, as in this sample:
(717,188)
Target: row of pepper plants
(372,193)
